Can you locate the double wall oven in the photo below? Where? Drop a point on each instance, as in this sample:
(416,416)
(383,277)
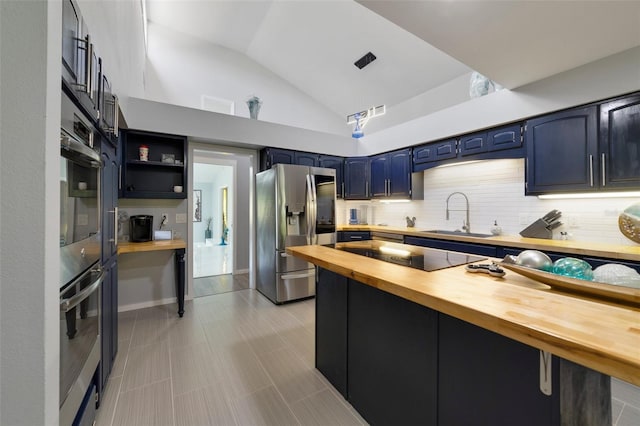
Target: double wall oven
(80,272)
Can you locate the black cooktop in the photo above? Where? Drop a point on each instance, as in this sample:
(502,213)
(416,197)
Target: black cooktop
(427,259)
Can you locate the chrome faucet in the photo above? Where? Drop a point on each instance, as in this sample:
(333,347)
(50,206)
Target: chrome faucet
(466,226)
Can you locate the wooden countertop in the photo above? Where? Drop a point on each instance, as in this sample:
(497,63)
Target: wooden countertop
(599,335)
(585,248)
(129,247)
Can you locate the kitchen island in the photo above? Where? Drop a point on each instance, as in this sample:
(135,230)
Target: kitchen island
(515,317)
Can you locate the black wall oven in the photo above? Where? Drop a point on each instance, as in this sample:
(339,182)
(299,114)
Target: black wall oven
(80,272)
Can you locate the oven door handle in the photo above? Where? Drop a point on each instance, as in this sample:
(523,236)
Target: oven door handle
(67,304)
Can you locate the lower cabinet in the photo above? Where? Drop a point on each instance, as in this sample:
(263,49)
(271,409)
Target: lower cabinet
(346,236)
(331,329)
(392,365)
(488,379)
(479,249)
(109,320)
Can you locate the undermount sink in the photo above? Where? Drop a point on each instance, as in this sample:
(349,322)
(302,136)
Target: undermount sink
(464,234)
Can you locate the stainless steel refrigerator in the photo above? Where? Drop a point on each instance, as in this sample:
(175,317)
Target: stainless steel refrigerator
(295,205)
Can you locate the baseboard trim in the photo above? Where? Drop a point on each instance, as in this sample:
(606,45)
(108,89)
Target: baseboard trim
(240,271)
(150,303)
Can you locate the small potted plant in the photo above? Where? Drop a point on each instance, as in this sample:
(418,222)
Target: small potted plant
(208,233)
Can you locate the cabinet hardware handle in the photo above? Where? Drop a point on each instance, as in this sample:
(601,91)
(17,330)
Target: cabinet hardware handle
(604,170)
(119,176)
(591,170)
(366,189)
(89,67)
(114,240)
(342,189)
(355,237)
(545,373)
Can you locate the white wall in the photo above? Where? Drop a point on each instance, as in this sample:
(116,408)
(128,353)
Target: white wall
(495,189)
(30,50)
(608,77)
(117,32)
(230,130)
(182,68)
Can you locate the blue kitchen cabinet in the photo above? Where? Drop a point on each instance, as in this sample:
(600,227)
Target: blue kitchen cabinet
(562,152)
(109,260)
(463,247)
(492,141)
(336,163)
(271,156)
(164,169)
(356,178)
(434,151)
(305,158)
(619,160)
(391,174)
(346,236)
(488,379)
(331,328)
(392,364)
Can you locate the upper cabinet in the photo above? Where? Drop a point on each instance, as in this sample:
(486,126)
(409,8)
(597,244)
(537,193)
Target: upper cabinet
(620,143)
(271,156)
(499,142)
(305,159)
(163,170)
(391,175)
(356,178)
(567,153)
(562,150)
(336,163)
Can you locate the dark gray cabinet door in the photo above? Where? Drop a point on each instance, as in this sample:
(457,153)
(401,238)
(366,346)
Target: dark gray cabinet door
(331,328)
(620,143)
(356,178)
(336,163)
(379,175)
(562,151)
(488,379)
(400,173)
(435,151)
(392,358)
(305,159)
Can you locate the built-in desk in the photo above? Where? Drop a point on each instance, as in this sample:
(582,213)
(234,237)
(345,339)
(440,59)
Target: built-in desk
(179,247)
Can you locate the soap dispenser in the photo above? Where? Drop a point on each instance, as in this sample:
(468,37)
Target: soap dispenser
(496,229)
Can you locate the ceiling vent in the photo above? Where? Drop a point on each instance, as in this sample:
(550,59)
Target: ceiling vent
(365,60)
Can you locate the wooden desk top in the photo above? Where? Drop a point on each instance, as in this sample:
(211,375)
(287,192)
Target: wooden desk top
(599,335)
(129,247)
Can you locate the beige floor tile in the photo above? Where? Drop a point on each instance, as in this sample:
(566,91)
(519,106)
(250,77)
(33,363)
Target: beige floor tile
(323,408)
(146,365)
(125,325)
(222,337)
(203,407)
(121,359)
(243,372)
(149,330)
(192,368)
(293,378)
(263,407)
(184,332)
(146,406)
(104,416)
(262,337)
(156,312)
(302,341)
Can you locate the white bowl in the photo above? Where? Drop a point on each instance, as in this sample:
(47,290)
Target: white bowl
(177,188)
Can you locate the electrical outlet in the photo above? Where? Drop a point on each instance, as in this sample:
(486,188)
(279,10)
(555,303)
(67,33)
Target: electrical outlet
(524,219)
(181,218)
(164,218)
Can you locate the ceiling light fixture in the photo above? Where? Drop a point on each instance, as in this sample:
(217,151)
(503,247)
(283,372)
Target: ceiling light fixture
(361,118)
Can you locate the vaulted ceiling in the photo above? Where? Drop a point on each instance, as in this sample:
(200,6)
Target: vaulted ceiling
(419,45)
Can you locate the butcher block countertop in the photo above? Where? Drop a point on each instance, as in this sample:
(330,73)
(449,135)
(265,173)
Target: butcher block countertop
(129,247)
(612,251)
(599,335)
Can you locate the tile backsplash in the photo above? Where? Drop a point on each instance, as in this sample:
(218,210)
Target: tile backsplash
(495,190)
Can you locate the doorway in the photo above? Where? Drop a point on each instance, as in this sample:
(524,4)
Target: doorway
(221,193)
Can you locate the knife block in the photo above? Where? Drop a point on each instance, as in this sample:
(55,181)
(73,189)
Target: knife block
(537,229)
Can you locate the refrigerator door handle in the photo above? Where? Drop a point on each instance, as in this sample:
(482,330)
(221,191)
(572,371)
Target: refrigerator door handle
(295,276)
(309,209)
(312,210)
